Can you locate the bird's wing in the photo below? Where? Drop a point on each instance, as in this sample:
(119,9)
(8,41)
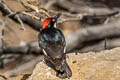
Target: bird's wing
(53,45)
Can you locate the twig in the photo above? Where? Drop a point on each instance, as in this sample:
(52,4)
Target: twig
(68,14)
(25,18)
(81,16)
(107,20)
(91,33)
(68,19)
(105,45)
(11,13)
(3,77)
(5,6)
(21,22)
(33,16)
(98,46)
(31,48)
(35,8)
(2,25)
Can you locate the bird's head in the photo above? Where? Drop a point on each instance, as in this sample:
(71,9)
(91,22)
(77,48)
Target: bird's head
(49,22)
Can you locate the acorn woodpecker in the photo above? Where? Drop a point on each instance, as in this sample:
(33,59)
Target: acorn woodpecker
(52,42)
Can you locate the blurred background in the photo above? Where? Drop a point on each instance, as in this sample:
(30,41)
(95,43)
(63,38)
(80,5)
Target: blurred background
(88,25)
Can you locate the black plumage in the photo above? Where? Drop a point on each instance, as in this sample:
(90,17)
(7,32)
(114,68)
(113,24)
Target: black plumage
(53,42)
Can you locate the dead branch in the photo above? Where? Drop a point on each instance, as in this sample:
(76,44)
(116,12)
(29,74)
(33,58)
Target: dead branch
(82,7)
(91,33)
(11,13)
(25,18)
(79,37)
(99,45)
(2,25)
(20,21)
(28,48)
(65,17)
(34,7)
(3,77)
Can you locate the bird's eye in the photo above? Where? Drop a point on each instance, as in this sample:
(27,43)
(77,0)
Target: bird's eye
(53,20)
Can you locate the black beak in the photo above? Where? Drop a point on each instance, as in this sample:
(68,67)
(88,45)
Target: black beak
(57,16)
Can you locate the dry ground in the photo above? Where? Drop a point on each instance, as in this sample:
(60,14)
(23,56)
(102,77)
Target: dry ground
(104,65)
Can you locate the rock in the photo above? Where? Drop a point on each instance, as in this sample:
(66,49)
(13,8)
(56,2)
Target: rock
(104,65)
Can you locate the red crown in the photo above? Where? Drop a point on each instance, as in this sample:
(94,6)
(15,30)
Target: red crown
(46,22)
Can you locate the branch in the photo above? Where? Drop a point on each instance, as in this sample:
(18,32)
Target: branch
(28,48)
(22,17)
(81,6)
(91,33)
(34,7)
(3,77)
(12,13)
(99,45)
(2,25)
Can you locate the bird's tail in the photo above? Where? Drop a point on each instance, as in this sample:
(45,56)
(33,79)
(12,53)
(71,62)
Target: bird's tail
(67,68)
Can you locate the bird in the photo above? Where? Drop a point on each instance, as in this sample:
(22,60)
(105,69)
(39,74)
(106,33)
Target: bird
(52,42)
